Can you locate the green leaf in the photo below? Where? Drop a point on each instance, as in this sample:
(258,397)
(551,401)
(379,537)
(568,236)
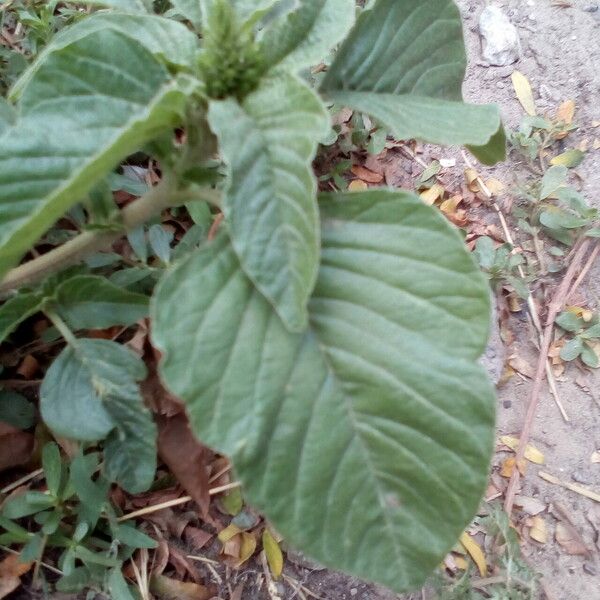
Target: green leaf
(485,252)
(569,321)
(77,580)
(130,536)
(15,310)
(89,105)
(589,356)
(16,410)
(270,201)
(160,242)
(303,37)
(594,232)
(89,391)
(53,468)
(557,218)
(26,504)
(404,63)
(572,349)
(117,586)
(8,115)
(91,302)
(554,178)
(130,5)
(244,8)
(592,332)
(170,41)
(570,158)
(92,494)
(379,407)
(190,9)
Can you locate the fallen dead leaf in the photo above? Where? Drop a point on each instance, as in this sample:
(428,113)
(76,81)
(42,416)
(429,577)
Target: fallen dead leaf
(357,185)
(522,366)
(273,552)
(532,454)
(508,466)
(11,569)
(29,367)
(495,186)
(471,177)
(524,92)
(566,537)
(197,538)
(566,112)
(16,447)
(168,588)
(475,552)
(366,174)
(432,194)
(187,458)
(537,529)
(531,506)
(450,206)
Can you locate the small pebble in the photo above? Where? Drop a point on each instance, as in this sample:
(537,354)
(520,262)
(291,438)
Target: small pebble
(592,8)
(353,592)
(590,568)
(580,477)
(507,403)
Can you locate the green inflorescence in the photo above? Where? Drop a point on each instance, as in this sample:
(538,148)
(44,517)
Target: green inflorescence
(231,61)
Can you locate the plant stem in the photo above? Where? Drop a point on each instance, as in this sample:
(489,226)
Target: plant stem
(62,327)
(139,211)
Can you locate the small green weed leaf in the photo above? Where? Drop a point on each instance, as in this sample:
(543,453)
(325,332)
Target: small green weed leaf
(160,242)
(589,356)
(91,390)
(190,9)
(594,232)
(303,37)
(592,332)
(379,406)
(572,349)
(53,468)
(90,104)
(244,8)
(569,321)
(92,302)
(165,38)
(26,504)
(130,536)
(117,586)
(75,581)
(270,202)
(92,494)
(554,178)
(555,217)
(16,410)
(569,159)
(519,285)
(14,533)
(16,309)
(404,63)
(32,550)
(485,252)
(95,558)
(52,521)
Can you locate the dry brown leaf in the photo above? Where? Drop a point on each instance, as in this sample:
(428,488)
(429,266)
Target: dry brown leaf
(566,112)
(471,177)
(475,552)
(197,538)
(538,530)
(596,144)
(532,454)
(569,541)
(432,194)
(450,206)
(29,367)
(524,92)
(508,466)
(247,548)
(11,569)
(531,506)
(187,458)
(167,588)
(366,174)
(342,117)
(16,447)
(519,364)
(494,186)
(357,185)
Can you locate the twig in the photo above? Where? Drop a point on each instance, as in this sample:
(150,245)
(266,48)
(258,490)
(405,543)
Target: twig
(555,306)
(531,306)
(13,486)
(139,211)
(43,564)
(176,502)
(578,489)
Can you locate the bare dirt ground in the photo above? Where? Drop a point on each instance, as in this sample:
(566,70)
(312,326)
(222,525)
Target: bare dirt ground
(561,59)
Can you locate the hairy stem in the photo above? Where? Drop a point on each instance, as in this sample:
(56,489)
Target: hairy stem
(138,212)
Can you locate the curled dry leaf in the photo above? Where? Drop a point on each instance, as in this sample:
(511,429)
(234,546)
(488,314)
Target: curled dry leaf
(520,365)
(435,192)
(366,174)
(566,112)
(531,506)
(357,185)
(508,466)
(167,588)
(532,454)
(187,458)
(475,552)
(537,529)
(570,540)
(11,569)
(524,92)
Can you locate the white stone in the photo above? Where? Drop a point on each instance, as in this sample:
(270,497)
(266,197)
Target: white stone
(501,44)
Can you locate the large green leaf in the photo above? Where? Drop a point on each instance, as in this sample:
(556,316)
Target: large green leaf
(16,309)
(404,63)
(244,8)
(173,42)
(89,105)
(366,439)
(302,38)
(91,302)
(270,201)
(91,390)
(190,9)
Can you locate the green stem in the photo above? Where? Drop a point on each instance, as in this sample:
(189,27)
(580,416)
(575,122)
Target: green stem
(62,327)
(74,251)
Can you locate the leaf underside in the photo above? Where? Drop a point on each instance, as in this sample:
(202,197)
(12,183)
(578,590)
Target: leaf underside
(366,438)
(404,64)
